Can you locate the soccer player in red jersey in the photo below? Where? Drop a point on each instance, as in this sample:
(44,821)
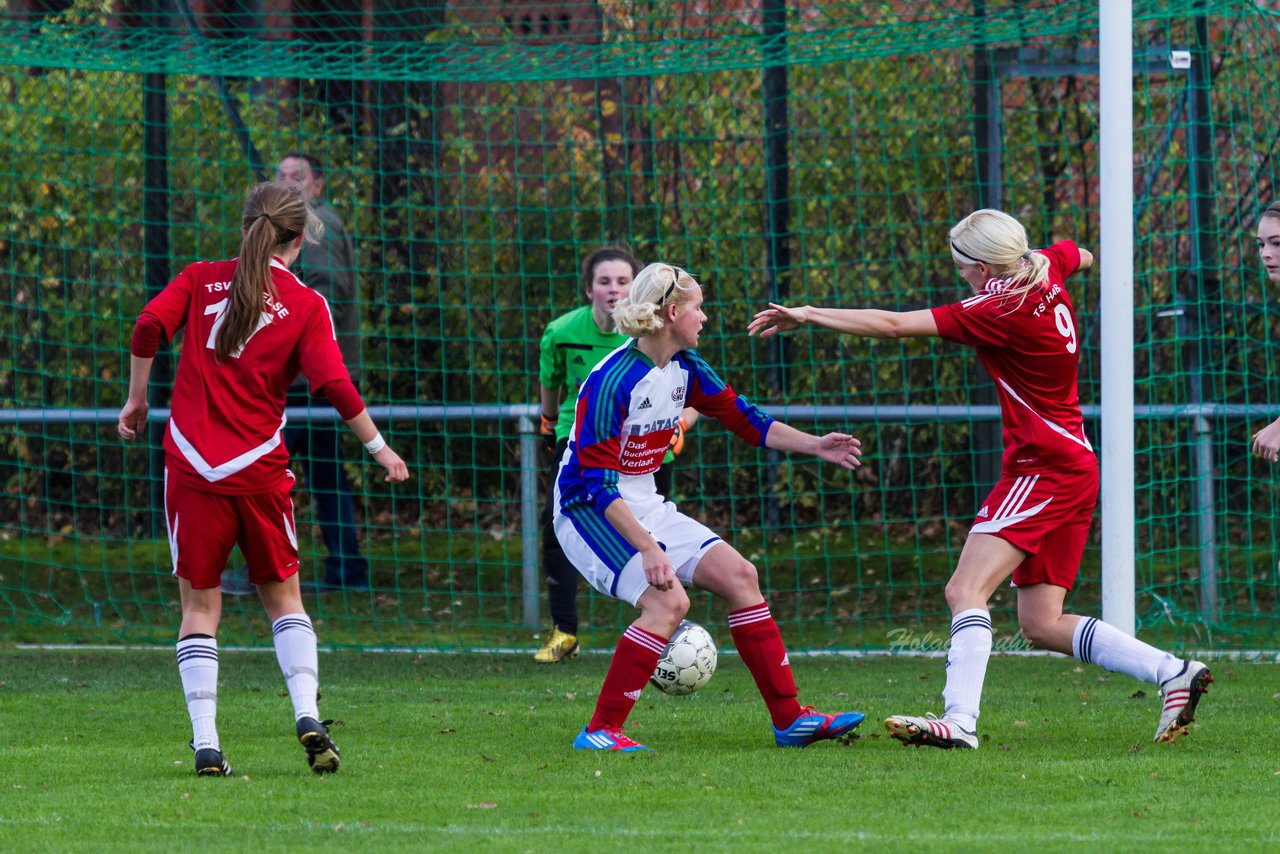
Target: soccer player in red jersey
(251,326)
(1035,522)
(632,543)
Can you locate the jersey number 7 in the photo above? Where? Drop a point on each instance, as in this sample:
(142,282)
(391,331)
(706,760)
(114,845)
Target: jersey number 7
(219,309)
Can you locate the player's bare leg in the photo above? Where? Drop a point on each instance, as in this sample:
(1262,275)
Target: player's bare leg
(985,563)
(1182,683)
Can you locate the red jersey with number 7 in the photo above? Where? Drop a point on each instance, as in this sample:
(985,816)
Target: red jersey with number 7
(227,418)
(1031,348)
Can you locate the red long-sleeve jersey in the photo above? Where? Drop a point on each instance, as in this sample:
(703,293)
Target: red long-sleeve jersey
(225,428)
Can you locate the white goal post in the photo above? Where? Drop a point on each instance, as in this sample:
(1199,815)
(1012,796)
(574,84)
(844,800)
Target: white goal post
(1115,24)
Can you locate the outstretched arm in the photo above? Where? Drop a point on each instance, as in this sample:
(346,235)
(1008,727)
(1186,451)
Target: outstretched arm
(866,322)
(839,448)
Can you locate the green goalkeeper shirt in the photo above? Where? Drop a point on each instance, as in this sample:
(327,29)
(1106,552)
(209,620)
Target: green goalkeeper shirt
(571,347)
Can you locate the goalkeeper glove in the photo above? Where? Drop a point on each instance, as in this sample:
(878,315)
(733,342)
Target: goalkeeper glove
(548,433)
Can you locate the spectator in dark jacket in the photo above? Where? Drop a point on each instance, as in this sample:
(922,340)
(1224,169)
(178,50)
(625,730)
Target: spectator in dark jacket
(329,268)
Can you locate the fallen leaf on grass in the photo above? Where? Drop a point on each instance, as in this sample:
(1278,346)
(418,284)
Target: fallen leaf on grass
(448,729)
(483,805)
(1138,695)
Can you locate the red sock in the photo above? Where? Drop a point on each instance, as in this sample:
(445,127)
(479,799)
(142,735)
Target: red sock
(756,636)
(633,662)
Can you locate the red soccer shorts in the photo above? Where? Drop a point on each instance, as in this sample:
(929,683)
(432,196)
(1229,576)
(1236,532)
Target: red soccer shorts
(204,526)
(1046,514)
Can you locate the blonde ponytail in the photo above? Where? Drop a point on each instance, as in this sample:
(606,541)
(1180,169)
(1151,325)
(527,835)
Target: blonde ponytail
(998,240)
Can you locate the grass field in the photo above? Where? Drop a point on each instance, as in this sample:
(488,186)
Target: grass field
(464,752)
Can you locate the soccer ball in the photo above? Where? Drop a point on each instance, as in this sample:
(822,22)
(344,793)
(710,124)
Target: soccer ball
(688,661)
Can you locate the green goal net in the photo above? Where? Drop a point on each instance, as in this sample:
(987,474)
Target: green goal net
(477,151)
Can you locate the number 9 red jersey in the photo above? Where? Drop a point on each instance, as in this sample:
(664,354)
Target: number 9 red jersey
(1031,349)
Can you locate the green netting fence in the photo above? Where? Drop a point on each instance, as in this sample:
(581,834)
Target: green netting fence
(477,151)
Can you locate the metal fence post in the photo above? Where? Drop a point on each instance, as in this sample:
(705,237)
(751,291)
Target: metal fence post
(529,520)
(1205,527)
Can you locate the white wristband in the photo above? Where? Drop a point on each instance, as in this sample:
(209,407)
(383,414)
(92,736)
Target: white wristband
(377,443)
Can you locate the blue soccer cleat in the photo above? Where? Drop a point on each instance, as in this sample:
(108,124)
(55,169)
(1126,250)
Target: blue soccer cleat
(814,726)
(606,739)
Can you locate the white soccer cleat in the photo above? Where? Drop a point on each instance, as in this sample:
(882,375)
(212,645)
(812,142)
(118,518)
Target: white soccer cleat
(1180,696)
(930,731)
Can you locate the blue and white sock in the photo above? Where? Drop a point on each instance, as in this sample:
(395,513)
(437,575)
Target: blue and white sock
(967,666)
(198,667)
(295,641)
(1096,642)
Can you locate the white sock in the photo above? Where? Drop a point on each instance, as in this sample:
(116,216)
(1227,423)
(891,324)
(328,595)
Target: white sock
(198,667)
(295,641)
(1096,642)
(967,666)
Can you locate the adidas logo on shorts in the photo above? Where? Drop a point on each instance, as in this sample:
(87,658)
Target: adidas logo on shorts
(983,513)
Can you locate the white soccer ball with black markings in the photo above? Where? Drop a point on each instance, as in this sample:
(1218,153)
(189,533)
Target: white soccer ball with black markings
(688,661)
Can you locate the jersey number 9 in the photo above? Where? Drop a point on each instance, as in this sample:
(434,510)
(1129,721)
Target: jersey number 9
(1066,326)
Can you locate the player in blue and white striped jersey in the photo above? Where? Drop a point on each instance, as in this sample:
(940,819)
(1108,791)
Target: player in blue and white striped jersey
(631,543)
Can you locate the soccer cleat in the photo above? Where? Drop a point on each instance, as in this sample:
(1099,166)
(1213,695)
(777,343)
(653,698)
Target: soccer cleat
(606,739)
(813,726)
(930,731)
(211,763)
(1180,696)
(322,753)
(559,646)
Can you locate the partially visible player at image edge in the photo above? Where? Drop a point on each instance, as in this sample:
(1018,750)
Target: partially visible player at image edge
(251,326)
(1266,442)
(633,545)
(1035,522)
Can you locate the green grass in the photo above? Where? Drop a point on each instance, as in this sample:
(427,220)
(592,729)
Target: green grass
(459,752)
